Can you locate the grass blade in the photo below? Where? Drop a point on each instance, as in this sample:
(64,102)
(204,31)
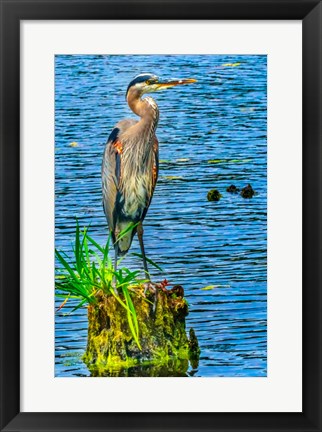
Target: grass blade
(130,227)
(119,300)
(94,243)
(66,265)
(80,304)
(132,318)
(148,260)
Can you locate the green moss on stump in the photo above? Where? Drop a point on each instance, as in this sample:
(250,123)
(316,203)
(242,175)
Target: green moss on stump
(166,349)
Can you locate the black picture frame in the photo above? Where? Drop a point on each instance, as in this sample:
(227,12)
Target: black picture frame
(12,12)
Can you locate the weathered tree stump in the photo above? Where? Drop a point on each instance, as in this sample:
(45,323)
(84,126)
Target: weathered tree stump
(165,347)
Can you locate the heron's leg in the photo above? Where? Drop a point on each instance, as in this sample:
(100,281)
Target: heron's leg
(140,236)
(115,269)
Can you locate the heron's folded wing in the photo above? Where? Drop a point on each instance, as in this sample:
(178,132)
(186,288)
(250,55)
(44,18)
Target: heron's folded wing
(111,168)
(155,163)
(111,172)
(154,174)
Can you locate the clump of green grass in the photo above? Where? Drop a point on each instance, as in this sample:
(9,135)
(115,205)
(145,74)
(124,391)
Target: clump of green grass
(91,271)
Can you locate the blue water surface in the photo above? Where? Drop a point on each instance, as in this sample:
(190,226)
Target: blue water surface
(211,134)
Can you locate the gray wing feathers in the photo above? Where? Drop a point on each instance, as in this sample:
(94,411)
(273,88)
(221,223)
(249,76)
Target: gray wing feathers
(127,183)
(111,169)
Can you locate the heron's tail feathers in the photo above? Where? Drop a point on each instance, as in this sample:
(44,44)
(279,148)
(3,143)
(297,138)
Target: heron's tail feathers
(124,243)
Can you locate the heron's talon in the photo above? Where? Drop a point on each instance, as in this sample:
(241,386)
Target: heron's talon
(153,288)
(115,289)
(154,308)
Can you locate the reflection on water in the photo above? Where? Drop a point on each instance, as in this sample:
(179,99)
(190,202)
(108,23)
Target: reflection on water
(211,134)
(173,368)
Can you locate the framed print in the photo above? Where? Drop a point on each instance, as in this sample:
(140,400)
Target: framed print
(160,242)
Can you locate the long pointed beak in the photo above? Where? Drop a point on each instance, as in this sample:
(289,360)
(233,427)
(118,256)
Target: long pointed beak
(173,83)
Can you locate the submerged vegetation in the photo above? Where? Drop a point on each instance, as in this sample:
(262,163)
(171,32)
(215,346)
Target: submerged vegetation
(131,320)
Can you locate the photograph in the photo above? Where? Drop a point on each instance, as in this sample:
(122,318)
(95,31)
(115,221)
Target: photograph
(160,215)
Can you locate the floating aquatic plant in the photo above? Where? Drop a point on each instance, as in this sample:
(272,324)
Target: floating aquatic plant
(214,195)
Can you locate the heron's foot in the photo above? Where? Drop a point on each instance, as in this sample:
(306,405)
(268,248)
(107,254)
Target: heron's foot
(152,288)
(114,285)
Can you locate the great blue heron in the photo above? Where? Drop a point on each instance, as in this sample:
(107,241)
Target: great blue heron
(130,164)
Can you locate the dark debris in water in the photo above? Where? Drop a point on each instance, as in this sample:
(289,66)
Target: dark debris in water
(247,192)
(214,195)
(232,189)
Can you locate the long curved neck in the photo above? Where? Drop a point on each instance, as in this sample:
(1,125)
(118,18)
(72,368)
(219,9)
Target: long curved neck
(147,109)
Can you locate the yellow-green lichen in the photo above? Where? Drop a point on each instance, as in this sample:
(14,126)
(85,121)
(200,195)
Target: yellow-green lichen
(165,347)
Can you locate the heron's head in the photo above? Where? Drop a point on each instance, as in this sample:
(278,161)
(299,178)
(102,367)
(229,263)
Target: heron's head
(149,83)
